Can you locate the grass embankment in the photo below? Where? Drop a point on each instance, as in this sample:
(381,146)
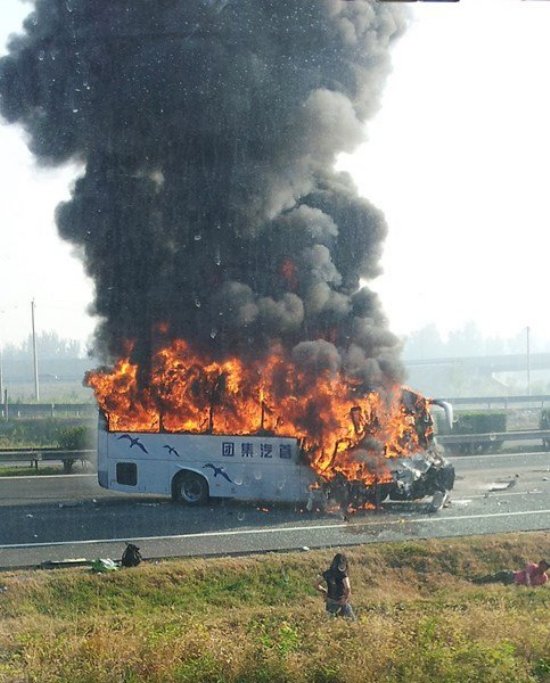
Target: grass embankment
(29,471)
(259,619)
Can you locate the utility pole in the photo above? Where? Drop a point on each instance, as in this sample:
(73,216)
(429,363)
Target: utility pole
(528,330)
(35,359)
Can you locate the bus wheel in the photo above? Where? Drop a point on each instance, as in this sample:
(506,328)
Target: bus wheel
(190,488)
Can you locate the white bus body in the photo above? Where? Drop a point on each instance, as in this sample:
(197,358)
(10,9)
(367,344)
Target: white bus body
(192,468)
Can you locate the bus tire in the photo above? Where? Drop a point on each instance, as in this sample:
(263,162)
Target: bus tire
(190,488)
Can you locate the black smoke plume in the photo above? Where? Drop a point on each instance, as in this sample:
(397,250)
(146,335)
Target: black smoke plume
(208,129)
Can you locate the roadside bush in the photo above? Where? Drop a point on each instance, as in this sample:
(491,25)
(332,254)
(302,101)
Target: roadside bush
(38,433)
(32,433)
(481,422)
(67,434)
(77,438)
(486,422)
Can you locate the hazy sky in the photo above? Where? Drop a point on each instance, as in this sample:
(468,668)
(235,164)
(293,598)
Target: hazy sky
(458,159)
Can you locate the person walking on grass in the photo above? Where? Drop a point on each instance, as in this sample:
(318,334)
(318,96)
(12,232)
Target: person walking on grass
(532,575)
(337,590)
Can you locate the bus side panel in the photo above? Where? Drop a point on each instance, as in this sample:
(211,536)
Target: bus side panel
(134,465)
(244,468)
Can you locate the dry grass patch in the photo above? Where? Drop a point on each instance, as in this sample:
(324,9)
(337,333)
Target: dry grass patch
(259,619)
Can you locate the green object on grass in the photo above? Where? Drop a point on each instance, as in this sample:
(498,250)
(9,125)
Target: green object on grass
(101,565)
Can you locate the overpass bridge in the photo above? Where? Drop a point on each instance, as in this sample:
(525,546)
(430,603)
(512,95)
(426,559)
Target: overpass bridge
(514,362)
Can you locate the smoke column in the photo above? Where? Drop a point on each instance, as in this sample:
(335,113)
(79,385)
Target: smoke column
(209,209)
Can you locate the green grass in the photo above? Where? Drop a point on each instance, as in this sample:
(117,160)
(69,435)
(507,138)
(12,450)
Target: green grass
(22,471)
(46,432)
(259,619)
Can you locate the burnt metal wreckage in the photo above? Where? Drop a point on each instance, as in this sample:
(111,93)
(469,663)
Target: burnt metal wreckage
(426,473)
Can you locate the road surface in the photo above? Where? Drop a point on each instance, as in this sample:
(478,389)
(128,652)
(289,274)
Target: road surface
(68,516)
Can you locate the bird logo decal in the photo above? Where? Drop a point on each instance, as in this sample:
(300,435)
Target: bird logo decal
(217,470)
(134,441)
(171,450)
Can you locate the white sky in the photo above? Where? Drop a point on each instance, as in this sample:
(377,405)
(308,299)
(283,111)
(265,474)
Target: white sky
(458,159)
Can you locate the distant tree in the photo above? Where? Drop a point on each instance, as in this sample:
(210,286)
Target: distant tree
(74,439)
(467,341)
(518,343)
(424,343)
(496,346)
(48,345)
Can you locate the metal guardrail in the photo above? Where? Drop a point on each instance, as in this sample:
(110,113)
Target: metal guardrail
(491,442)
(541,399)
(34,456)
(520,435)
(40,410)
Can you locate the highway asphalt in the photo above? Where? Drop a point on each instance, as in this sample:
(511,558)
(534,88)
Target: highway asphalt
(52,518)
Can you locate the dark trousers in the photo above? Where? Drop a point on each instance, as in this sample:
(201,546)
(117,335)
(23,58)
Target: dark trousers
(337,610)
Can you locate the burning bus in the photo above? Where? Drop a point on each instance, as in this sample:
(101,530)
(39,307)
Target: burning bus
(231,258)
(217,430)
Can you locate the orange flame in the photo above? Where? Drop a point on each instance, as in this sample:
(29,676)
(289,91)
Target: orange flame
(289,272)
(342,433)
